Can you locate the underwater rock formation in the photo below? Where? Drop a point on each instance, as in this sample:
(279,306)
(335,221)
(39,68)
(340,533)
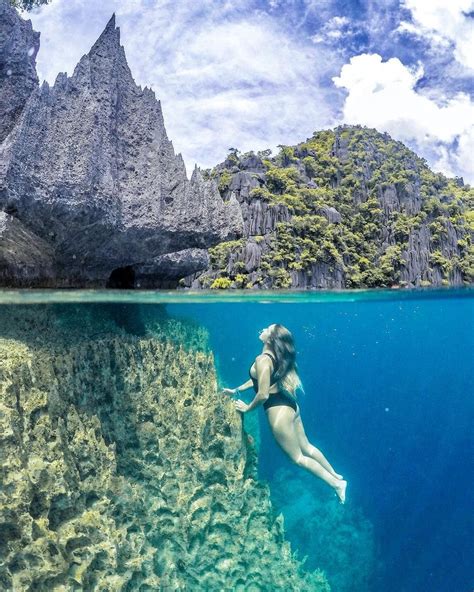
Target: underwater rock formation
(348,208)
(86,165)
(122,467)
(339,540)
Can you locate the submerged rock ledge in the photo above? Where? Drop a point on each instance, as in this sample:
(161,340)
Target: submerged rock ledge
(122,468)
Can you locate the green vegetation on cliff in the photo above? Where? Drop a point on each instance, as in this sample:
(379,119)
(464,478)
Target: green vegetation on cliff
(28,4)
(362,208)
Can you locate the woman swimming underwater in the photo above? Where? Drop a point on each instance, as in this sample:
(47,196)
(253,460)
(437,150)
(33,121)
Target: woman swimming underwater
(275,380)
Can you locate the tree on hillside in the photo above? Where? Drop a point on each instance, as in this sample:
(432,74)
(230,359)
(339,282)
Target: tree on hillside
(27,4)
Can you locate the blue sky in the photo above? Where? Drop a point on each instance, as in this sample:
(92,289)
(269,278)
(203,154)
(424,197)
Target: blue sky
(253,74)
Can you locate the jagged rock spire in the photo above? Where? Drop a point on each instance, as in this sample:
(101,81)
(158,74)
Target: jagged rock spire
(104,184)
(19,45)
(110,36)
(105,58)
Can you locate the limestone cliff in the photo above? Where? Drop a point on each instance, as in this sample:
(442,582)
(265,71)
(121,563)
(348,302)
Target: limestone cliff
(19,45)
(86,165)
(121,466)
(93,195)
(347,208)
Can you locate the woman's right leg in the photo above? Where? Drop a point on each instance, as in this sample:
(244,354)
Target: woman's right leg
(281,419)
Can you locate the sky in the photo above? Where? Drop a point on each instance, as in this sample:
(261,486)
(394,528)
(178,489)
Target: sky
(253,74)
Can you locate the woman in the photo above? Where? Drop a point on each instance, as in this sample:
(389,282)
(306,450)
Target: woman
(275,380)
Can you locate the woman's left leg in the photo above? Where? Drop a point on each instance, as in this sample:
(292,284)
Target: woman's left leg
(281,420)
(308,448)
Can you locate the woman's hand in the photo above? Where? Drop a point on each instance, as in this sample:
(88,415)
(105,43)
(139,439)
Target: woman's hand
(241,406)
(228,391)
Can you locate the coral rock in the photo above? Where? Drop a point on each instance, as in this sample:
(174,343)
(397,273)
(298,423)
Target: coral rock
(122,466)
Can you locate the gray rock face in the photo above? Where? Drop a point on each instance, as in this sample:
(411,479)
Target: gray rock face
(88,168)
(19,45)
(260,217)
(417,257)
(165,271)
(321,276)
(401,239)
(260,220)
(331,214)
(23,255)
(252,163)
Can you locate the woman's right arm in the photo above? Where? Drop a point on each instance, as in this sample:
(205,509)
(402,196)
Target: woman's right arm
(245,386)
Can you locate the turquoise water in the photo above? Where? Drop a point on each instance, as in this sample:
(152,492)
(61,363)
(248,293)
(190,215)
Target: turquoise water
(11,296)
(389,384)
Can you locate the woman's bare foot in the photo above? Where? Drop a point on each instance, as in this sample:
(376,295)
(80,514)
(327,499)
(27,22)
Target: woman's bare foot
(337,475)
(341,490)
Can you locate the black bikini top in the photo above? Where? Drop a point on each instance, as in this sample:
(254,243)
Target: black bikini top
(255,380)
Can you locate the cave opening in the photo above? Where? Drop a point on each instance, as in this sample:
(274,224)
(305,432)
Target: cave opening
(122,278)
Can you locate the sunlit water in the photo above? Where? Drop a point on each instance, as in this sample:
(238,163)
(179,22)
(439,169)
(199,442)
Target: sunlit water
(389,385)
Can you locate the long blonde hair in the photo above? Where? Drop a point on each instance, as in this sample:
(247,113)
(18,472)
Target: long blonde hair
(283,346)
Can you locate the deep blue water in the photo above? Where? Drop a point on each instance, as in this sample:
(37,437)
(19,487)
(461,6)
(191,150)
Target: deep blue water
(389,400)
(389,381)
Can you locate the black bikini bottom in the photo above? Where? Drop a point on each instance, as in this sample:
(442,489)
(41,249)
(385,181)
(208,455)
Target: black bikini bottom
(279,399)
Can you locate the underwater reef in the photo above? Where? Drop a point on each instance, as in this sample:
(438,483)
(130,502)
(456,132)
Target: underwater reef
(92,194)
(122,467)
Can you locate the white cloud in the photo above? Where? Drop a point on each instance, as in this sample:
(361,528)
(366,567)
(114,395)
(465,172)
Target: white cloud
(383,95)
(229,74)
(335,28)
(226,73)
(444,23)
